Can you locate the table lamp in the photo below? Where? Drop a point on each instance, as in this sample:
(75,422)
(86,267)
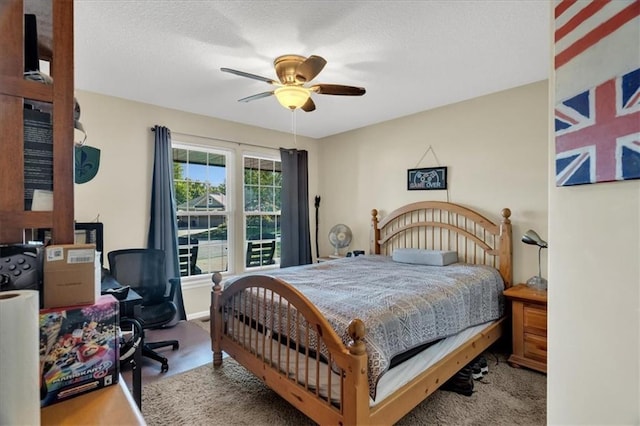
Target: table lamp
(531,237)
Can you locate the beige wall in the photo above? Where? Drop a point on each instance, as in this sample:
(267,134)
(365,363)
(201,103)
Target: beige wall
(120,193)
(495,149)
(594,300)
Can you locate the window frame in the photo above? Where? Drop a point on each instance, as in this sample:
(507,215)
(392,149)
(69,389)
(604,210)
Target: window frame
(275,157)
(227,213)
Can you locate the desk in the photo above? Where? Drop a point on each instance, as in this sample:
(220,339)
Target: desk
(130,310)
(127,305)
(112,405)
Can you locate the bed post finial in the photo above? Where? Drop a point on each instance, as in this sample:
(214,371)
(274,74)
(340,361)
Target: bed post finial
(356,331)
(216,278)
(375,235)
(506,214)
(505,252)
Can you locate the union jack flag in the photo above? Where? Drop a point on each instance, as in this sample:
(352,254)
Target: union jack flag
(598,133)
(597,60)
(582,25)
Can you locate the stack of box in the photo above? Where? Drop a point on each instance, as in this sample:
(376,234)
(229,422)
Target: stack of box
(79,343)
(71,275)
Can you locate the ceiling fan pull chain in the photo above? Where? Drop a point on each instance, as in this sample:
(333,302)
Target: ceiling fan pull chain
(293,128)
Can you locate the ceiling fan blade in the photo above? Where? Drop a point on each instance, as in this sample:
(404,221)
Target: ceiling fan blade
(308,106)
(338,89)
(249,75)
(310,68)
(254,97)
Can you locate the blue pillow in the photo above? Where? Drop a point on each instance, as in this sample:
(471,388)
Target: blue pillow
(425,257)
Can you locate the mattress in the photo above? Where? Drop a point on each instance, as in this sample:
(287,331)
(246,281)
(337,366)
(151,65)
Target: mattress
(403,306)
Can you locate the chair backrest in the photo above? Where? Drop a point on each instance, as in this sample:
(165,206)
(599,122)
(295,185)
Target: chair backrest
(188,256)
(260,253)
(142,270)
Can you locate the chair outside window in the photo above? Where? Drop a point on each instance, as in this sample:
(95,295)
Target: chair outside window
(143,270)
(188,256)
(259,254)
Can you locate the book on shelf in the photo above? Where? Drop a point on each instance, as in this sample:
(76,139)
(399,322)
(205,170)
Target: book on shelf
(38,155)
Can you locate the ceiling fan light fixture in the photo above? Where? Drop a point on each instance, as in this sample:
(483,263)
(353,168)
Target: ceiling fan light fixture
(292,97)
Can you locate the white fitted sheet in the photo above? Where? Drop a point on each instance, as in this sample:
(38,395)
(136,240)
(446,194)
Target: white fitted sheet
(391,381)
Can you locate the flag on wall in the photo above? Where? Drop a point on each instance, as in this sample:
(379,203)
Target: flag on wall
(598,133)
(597,114)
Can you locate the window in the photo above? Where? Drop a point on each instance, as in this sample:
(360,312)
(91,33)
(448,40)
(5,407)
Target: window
(200,176)
(262,186)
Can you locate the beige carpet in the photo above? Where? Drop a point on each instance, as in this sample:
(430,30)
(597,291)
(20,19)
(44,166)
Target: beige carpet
(232,396)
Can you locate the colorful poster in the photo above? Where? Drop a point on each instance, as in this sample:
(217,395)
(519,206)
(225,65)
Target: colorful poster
(597,112)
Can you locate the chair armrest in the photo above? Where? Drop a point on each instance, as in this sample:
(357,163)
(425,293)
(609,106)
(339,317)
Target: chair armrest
(175,282)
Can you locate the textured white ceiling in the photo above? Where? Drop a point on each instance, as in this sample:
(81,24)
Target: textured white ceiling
(410,55)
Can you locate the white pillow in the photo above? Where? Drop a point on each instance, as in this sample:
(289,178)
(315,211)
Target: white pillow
(425,257)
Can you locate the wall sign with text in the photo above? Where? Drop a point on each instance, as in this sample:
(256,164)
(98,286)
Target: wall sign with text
(427,178)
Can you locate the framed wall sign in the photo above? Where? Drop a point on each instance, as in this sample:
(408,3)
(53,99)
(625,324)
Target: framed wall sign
(427,178)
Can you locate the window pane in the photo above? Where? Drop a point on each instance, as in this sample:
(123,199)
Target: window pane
(251,175)
(268,228)
(277,178)
(253,227)
(217,246)
(217,173)
(267,196)
(251,198)
(266,175)
(179,172)
(277,207)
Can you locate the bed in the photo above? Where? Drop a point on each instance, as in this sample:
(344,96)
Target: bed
(292,334)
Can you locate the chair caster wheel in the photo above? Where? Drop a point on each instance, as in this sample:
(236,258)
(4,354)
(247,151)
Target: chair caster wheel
(164,368)
(176,346)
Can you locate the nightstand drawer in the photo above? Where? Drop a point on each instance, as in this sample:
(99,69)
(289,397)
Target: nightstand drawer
(535,319)
(529,327)
(535,347)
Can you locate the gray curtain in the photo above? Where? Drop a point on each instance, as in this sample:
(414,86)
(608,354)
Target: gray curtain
(163,227)
(294,225)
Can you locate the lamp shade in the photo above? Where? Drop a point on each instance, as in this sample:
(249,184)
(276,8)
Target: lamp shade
(531,237)
(292,97)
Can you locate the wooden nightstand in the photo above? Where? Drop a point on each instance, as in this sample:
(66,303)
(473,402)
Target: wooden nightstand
(529,313)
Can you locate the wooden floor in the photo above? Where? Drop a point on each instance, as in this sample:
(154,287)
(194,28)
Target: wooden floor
(194,351)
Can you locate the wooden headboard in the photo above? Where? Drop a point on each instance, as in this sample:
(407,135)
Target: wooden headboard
(440,225)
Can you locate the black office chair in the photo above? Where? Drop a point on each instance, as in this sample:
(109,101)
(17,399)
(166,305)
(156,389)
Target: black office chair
(260,253)
(143,270)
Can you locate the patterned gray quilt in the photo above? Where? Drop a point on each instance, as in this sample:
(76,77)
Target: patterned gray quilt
(402,305)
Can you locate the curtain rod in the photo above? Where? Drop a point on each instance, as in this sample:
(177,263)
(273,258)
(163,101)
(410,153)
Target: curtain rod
(218,139)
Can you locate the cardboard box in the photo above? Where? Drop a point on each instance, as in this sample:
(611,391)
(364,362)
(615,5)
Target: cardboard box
(70,276)
(79,349)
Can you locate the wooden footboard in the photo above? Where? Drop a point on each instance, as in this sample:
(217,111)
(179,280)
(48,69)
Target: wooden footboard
(276,333)
(317,374)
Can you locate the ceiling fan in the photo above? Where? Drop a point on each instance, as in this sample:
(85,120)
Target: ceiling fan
(293,72)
